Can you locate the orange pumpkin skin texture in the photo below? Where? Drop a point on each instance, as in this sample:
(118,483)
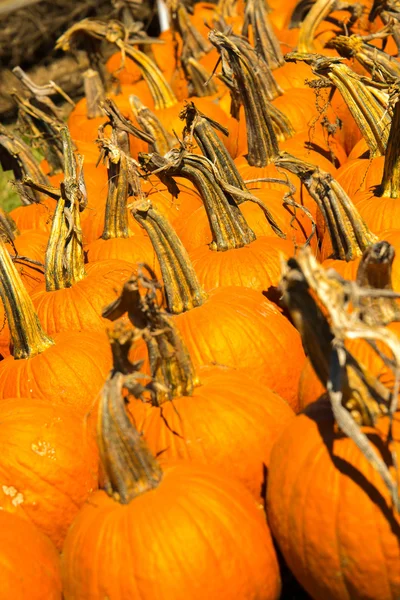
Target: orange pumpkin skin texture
(78,308)
(330,512)
(49,464)
(70,372)
(197,535)
(229,419)
(34,216)
(256,266)
(31,244)
(360,174)
(238,327)
(134,249)
(29,562)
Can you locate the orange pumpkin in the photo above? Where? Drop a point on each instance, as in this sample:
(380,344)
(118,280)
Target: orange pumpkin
(330,511)
(30,565)
(49,464)
(182,502)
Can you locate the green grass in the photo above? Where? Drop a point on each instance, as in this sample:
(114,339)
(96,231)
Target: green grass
(9,198)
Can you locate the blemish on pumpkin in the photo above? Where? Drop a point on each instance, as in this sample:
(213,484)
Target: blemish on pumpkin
(17,497)
(44,449)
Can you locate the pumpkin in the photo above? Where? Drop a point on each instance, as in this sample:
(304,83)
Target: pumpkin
(69,369)
(30,565)
(379,207)
(182,502)
(330,511)
(235,256)
(49,465)
(213,416)
(232,326)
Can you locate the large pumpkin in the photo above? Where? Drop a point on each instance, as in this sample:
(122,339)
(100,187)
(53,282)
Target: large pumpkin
(29,564)
(194,515)
(330,511)
(49,464)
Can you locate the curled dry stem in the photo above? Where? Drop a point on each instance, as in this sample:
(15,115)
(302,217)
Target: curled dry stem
(348,233)
(368,101)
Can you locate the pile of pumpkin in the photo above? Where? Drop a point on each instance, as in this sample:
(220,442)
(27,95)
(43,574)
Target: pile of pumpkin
(227,195)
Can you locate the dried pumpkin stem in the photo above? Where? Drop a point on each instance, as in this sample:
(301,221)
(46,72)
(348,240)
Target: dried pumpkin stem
(375,272)
(152,125)
(160,89)
(349,234)
(390,186)
(8,227)
(129,468)
(114,32)
(116,214)
(200,82)
(182,288)
(94,93)
(366,100)
(15,155)
(40,121)
(265,41)
(27,335)
(357,398)
(204,130)
(64,255)
(248,78)
(378,63)
(228,226)
(170,363)
(193,42)
(319,11)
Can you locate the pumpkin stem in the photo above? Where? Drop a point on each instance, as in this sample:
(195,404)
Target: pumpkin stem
(16,156)
(249,79)
(203,129)
(27,335)
(129,468)
(94,93)
(194,44)
(265,42)
(375,272)
(366,100)
(378,63)
(357,398)
(151,124)
(64,263)
(200,80)
(182,288)
(170,364)
(390,185)
(228,226)
(40,118)
(308,27)
(94,31)
(8,227)
(348,233)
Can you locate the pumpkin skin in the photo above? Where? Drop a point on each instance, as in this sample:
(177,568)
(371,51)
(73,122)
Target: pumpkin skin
(256,265)
(32,244)
(238,327)
(78,308)
(49,464)
(229,419)
(329,510)
(34,216)
(71,372)
(173,542)
(29,563)
(360,174)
